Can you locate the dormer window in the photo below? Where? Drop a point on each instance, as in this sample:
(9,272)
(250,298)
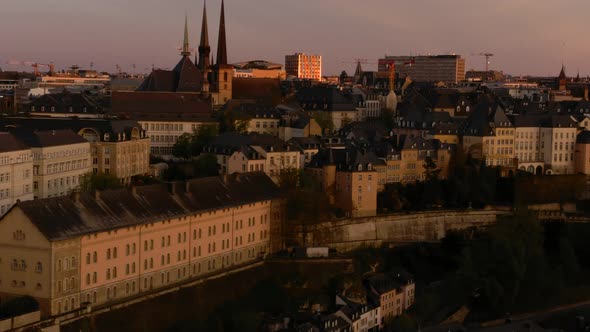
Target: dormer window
(71,109)
(107,137)
(53,108)
(32,108)
(42,108)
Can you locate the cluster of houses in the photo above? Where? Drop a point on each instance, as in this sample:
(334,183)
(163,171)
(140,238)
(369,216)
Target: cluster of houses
(385,297)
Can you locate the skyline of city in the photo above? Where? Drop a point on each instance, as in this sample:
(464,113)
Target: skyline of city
(523,45)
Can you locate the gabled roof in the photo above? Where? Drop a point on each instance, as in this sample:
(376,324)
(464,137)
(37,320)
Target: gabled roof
(114,209)
(43,139)
(185,77)
(79,103)
(327,99)
(161,106)
(259,89)
(9,143)
(102,126)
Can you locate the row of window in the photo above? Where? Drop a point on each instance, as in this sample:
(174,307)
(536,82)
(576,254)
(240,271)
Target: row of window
(65,166)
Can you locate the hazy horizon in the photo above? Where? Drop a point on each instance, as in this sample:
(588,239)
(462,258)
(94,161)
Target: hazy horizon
(527,37)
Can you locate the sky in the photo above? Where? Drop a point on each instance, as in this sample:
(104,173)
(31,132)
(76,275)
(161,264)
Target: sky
(531,37)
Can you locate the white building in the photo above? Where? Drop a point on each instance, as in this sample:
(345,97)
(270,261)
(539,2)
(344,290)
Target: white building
(60,160)
(16,172)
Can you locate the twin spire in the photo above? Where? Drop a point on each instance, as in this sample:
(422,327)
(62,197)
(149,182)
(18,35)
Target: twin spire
(204,48)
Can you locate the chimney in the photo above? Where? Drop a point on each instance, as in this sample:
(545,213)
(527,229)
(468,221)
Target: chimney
(133,190)
(187,187)
(171,188)
(96,195)
(586,92)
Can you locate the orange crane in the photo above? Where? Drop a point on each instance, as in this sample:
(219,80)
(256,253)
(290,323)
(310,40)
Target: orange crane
(487,55)
(35,66)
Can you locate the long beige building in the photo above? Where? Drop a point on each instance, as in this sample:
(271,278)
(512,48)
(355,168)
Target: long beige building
(16,172)
(113,245)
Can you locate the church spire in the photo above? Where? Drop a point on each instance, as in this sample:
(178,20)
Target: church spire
(185,47)
(204,48)
(221,44)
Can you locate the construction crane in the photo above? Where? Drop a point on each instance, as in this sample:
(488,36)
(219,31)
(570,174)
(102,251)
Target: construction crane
(487,56)
(35,66)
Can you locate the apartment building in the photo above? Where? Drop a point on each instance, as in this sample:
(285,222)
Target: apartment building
(394,293)
(117,244)
(240,153)
(582,156)
(349,178)
(118,147)
(489,135)
(164,132)
(60,160)
(304,66)
(558,138)
(16,172)
(427,68)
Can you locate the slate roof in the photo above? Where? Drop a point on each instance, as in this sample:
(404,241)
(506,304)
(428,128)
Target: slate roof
(68,217)
(345,159)
(79,103)
(185,77)
(259,89)
(43,139)
(229,142)
(158,106)
(327,99)
(113,127)
(9,143)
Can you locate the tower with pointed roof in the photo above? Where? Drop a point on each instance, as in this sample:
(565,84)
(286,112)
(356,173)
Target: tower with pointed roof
(185,77)
(203,62)
(222,72)
(562,79)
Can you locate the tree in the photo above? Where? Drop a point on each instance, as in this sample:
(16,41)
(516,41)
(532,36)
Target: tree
(431,171)
(183,146)
(206,165)
(189,145)
(100,181)
(324,120)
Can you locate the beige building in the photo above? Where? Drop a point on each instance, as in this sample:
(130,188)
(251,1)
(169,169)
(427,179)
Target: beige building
(304,66)
(558,140)
(118,147)
(164,133)
(123,243)
(582,156)
(60,160)
(238,153)
(394,293)
(16,172)
(349,179)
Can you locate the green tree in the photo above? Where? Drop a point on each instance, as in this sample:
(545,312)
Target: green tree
(324,120)
(183,146)
(206,165)
(99,181)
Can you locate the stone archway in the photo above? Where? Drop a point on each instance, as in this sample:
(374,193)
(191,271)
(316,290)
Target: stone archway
(539,170)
